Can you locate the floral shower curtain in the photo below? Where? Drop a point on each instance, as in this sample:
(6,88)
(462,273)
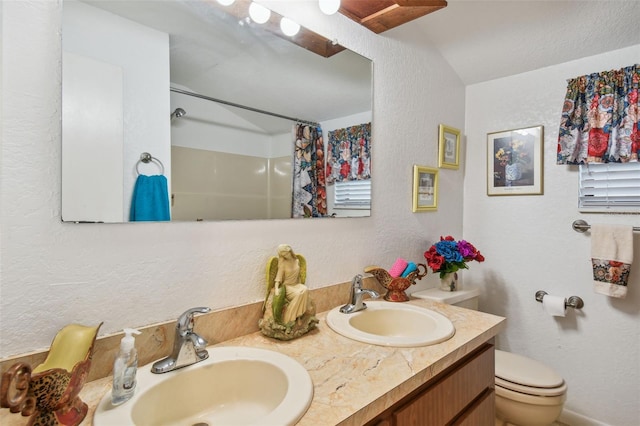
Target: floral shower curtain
(600,118)
(309,193)
(349,154)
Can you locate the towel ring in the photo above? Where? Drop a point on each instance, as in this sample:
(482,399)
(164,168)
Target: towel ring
(146,158)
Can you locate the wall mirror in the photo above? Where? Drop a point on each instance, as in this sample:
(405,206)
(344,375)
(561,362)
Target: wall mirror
(212,97)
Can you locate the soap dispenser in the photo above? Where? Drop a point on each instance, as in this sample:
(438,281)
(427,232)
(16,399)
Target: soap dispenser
(125,368)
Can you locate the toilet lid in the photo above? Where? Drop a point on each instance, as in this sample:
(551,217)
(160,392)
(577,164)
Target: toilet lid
(525,372)
(529,390)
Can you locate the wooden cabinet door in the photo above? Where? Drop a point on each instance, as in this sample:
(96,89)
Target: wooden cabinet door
(443,402)
(482,413)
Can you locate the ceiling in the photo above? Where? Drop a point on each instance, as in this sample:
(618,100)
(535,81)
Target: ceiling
(485,40)
(481,40)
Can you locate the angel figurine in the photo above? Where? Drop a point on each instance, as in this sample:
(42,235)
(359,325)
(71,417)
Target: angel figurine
(288,312)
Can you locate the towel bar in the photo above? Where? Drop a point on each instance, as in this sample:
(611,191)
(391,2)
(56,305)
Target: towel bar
(146,158)
(573,302)
(582,226)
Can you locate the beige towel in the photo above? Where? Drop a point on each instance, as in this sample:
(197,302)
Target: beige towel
(611,257)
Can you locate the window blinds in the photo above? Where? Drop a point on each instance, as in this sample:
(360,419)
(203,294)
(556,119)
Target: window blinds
(353,194)
(609,187)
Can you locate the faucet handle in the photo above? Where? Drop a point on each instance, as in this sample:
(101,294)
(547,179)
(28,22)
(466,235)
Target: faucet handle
(357,282)
(185,321)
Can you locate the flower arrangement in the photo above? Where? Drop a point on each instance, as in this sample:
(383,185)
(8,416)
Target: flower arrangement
(449,255)
(515,153)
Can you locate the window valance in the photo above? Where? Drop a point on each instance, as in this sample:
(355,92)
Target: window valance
(349,154)
(600,118)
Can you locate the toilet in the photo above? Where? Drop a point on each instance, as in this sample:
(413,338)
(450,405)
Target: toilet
(528,393)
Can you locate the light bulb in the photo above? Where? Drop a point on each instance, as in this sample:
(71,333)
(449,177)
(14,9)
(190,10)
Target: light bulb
(329,7)
(226,2)
(289,27)
(259,13)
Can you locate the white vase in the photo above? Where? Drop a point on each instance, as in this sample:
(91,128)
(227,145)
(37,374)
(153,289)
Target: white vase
(512,172)
(449,282)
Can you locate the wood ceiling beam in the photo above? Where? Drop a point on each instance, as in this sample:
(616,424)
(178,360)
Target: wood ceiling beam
(382,15)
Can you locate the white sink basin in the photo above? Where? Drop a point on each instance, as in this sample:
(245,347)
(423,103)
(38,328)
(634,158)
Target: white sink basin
(392,324)
(234,386)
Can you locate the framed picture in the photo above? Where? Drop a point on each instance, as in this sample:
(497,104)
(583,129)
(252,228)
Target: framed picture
(425,189)
(449,143)
(514,162)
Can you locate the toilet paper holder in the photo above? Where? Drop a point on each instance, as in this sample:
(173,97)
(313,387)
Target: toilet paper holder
(573,301)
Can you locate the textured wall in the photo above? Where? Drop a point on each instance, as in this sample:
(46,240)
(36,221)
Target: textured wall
(128,275)
(530,245)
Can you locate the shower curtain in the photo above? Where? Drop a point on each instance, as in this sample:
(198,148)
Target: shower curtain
(309,193)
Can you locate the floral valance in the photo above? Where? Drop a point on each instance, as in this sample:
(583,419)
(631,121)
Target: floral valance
(349,154)
(600,118)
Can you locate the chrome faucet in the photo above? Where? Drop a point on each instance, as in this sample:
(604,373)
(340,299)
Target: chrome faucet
(188,347)
(357,293)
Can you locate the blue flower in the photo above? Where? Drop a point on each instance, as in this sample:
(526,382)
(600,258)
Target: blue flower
(449,250)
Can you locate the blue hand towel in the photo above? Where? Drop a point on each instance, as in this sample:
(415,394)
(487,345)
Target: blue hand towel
(409,269)
(150,201)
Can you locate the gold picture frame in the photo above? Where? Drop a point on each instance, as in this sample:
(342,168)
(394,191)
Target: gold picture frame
(514,161)
(449,147)
(425,189)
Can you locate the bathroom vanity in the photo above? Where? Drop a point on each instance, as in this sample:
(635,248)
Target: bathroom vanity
(461,395)
(362,384)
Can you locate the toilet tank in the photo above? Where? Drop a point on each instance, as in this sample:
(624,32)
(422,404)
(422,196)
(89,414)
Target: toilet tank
(465,298)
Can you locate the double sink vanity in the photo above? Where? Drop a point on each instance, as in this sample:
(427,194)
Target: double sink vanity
(417,362)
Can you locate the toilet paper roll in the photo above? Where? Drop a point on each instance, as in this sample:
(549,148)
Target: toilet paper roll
(554,305)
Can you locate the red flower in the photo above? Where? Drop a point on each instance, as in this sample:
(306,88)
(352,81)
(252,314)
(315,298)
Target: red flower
(434,260)
(635,139)
(344,169)
(598,141)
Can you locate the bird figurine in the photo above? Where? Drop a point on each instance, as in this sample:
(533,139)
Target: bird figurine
(49,392)
(396,286)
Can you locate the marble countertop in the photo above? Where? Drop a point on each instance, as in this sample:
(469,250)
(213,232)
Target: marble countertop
(353,381)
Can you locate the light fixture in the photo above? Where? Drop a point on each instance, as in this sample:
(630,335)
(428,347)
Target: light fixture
(329,7)
(289,27)
(226,2)
(259,13)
